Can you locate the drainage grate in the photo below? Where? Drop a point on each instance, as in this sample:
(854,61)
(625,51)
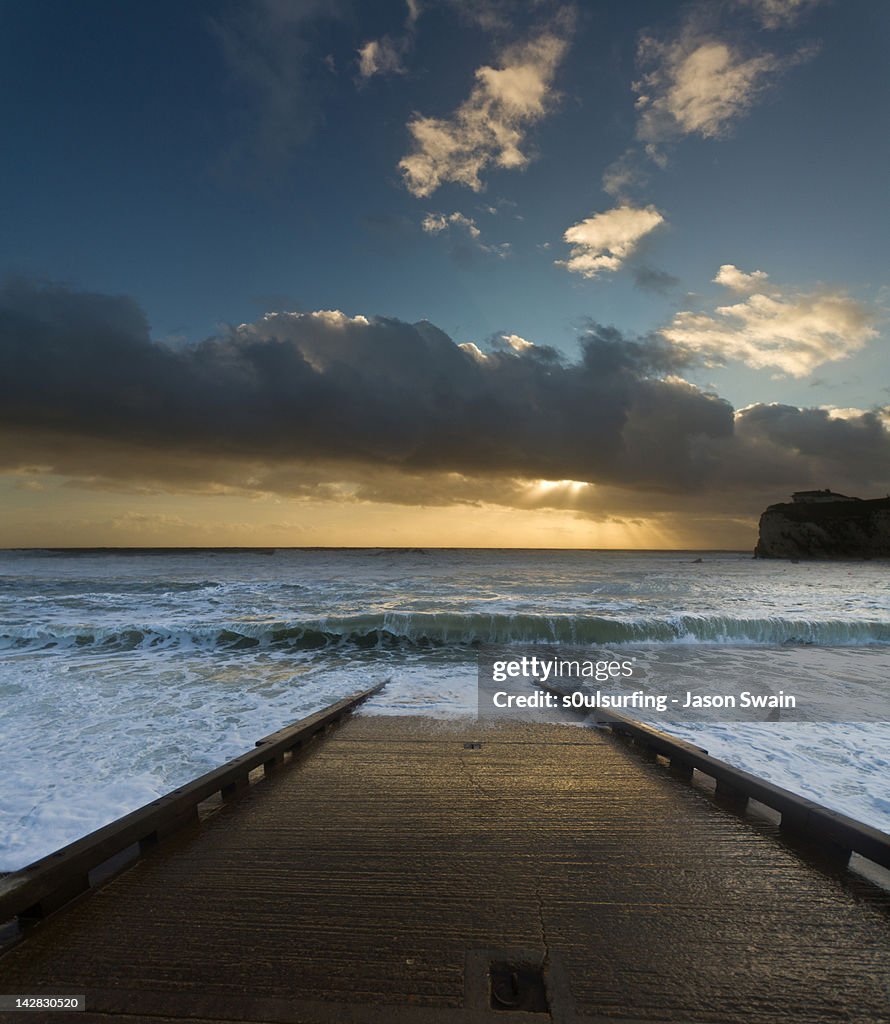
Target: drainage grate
(518,986)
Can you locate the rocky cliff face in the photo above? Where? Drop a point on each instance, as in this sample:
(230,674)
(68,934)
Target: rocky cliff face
(832,529)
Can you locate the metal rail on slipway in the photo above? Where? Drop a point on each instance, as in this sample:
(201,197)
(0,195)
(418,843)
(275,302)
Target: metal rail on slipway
(838,834)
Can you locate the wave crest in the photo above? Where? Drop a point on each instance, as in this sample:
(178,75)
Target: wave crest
(427,629)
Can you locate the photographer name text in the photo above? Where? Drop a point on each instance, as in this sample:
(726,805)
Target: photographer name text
(639,700)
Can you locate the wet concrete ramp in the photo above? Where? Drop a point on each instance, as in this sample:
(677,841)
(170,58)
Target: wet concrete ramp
(420,871)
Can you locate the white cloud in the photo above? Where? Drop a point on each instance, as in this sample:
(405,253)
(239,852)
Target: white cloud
(330,317)
(509,343)
(778,13)
(385,56)
(488,128)
(697,86)
(855,415)
(603,242)
(699,81)
(738,281)
(517,343)
(794,332)
(433,223)
(436,223)
(380,57)
(472,349)
(836,412)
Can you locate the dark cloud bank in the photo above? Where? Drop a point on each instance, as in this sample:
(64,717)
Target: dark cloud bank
(85,391)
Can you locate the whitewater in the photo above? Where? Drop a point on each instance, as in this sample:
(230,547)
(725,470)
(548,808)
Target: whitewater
(123,675)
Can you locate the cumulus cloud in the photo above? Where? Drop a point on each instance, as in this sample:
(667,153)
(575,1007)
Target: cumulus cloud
(328,386)
(380,57)
(329,406)
(699,81)
(738,281)
(509,343)
(517,343)
(488,129)
(437,223)
(793,332)
(778,13)
(852,449)
(433,223)
(697,86)
(603,242)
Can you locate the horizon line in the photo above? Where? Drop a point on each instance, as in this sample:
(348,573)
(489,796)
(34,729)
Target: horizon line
(268,548)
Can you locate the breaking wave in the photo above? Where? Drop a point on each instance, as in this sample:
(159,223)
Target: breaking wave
(427,629)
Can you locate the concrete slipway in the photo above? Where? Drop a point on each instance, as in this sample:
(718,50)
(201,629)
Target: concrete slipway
(407,870)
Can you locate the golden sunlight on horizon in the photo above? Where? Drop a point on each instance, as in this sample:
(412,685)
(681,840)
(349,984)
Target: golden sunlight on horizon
(570,487)
(100,519)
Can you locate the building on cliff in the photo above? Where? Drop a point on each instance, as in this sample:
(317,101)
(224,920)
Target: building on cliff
(808,497)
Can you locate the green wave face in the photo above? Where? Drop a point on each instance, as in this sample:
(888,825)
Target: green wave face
(423,629)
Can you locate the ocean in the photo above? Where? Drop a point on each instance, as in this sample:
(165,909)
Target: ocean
(125,674)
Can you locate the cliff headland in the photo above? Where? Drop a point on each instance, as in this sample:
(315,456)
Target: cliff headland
(822,524)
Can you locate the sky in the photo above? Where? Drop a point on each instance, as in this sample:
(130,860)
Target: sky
(439,272)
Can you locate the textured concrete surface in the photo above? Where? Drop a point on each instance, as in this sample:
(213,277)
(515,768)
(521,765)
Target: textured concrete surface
(377,878)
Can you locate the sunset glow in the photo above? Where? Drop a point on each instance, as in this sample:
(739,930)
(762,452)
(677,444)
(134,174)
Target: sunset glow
(428,275)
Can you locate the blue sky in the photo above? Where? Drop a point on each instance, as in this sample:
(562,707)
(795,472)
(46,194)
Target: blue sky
(214,162)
